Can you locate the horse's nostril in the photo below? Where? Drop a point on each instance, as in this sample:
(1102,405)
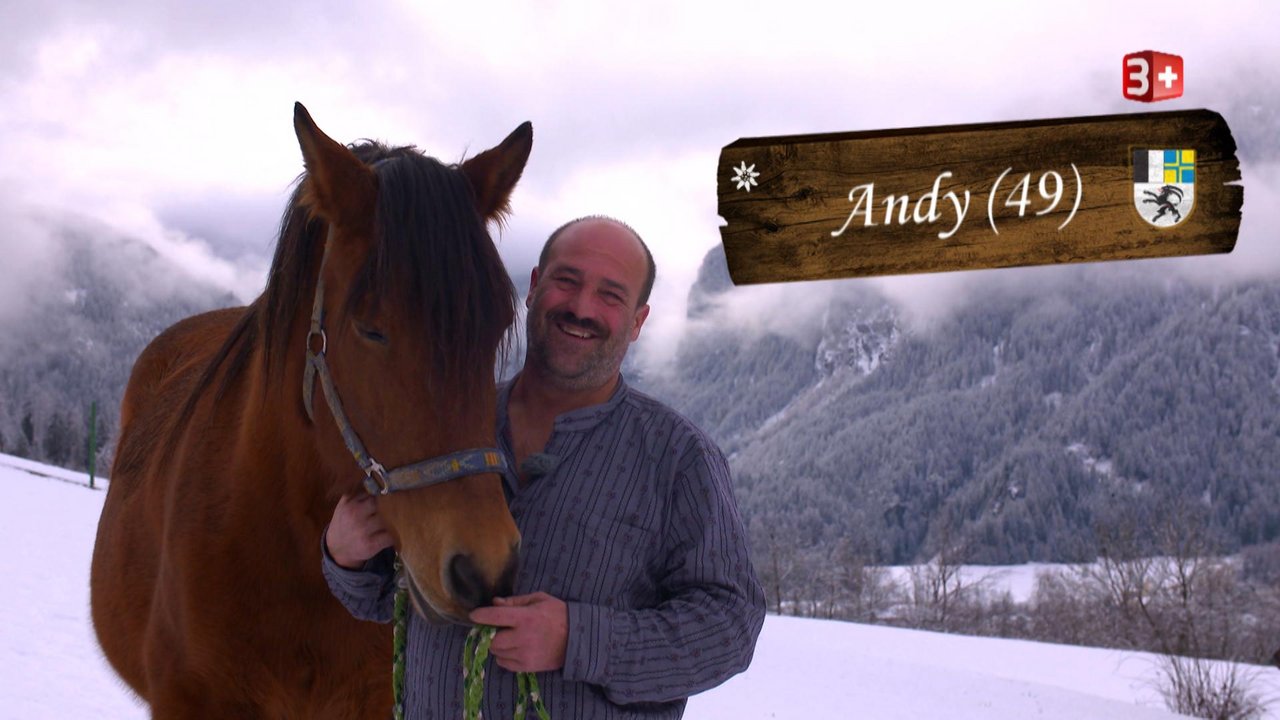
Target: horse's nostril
(473,589)
(507,583)
(468,586)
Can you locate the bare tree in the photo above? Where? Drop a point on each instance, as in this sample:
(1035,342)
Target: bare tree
(1187,601)
(777,545)
(938,587)
(1217,690)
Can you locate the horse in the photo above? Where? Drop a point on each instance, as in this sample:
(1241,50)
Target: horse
(206,588)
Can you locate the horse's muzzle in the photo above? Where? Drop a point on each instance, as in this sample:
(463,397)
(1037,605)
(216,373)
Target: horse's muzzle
(471,589)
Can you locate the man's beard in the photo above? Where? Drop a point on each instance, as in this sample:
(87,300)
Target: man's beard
(584,372)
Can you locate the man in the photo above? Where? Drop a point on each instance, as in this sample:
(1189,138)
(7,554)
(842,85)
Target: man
(635,587)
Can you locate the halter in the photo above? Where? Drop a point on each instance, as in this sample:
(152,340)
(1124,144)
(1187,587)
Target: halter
(378,480)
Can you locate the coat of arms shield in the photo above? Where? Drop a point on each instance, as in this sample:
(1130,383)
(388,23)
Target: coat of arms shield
(1164,185)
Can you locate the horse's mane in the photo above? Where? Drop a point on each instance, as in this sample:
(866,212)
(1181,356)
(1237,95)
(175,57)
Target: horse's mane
(432,257)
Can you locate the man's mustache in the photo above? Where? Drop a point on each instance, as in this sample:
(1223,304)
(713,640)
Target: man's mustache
(568,318)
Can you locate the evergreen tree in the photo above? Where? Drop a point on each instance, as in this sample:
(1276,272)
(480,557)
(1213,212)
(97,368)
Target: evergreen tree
(28,431)
(59,440)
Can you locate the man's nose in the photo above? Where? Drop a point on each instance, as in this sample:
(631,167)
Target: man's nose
(583,306)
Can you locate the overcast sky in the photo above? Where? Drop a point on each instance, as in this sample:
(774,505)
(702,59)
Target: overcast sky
(172,121)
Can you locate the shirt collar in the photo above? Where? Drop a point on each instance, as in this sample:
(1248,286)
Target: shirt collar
(578,420)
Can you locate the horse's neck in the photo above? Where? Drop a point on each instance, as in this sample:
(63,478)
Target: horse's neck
(284,477)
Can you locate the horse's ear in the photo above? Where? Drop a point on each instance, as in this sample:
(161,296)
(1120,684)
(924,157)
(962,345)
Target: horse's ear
(494,172)
(338,187)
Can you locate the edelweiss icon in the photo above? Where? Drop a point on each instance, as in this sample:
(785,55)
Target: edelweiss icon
(745,176)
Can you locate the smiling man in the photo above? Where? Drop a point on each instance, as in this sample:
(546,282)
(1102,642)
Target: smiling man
(583,314)
(635,588)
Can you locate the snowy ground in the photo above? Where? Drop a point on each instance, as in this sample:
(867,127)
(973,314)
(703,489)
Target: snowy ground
(1018,580)
(52,667)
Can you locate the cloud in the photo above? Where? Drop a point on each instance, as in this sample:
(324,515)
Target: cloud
(1256,254)
(190,256)
(29,257)
(240,227)
(173,120)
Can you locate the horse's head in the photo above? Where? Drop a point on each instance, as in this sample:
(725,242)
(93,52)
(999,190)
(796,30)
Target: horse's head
(415,303)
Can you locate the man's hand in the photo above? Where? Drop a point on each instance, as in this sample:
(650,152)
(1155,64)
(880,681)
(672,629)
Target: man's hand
(356,532)
(533,631)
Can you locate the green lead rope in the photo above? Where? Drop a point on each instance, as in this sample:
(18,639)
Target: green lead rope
(398,641)
(474,654)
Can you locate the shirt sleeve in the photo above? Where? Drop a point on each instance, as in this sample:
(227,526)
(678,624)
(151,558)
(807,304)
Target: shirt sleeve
(704,630)
(367,593)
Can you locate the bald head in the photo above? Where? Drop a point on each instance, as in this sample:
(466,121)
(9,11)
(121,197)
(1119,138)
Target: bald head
(585,224)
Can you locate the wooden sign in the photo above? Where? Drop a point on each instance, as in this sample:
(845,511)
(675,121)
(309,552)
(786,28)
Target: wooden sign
(964,197)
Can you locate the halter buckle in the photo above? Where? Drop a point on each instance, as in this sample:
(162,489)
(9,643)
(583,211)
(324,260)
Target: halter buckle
(380,485)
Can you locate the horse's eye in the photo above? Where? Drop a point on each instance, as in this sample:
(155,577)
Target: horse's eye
(371,334)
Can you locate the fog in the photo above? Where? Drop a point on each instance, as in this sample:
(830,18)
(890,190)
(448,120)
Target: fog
(172,123)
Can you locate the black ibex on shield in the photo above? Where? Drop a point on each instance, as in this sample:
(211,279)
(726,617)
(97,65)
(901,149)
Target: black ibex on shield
(1165,202)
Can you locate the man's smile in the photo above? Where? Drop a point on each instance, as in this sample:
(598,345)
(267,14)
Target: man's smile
(579,331)
(575,332)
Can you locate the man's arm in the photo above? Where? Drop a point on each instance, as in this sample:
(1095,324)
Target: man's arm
(705,630)
(364,582)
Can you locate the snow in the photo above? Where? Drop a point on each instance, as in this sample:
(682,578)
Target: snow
(1102,466)
(52,665)
(1017,580)
(802,668)
(823,669)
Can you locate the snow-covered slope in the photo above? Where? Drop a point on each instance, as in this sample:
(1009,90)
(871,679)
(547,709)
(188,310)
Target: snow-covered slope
(52,667)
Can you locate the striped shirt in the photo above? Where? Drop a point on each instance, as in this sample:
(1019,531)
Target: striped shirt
(633,525)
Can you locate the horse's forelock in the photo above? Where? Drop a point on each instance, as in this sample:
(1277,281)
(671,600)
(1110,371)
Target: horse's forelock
(433,256)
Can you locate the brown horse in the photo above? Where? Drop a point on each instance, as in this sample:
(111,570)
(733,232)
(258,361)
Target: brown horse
(206,587)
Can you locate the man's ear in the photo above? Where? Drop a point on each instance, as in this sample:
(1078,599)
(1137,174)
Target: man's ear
(641,315)
(533,285)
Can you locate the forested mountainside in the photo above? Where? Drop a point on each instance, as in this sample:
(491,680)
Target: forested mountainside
(1011,427)
(74,340)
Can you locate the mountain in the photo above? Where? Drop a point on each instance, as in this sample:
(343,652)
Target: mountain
(103,297)
(1008,431)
